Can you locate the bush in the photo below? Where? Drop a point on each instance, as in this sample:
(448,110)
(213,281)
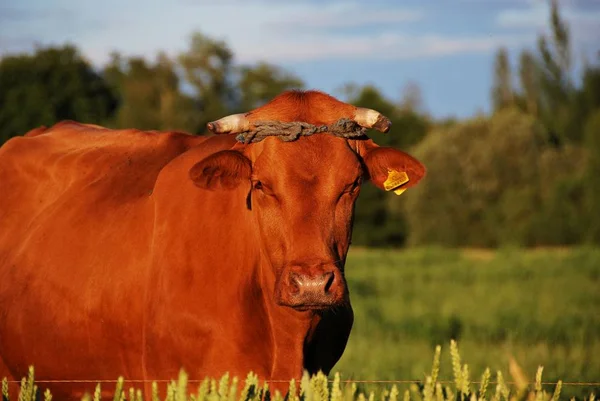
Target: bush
(493,182)
(592,180)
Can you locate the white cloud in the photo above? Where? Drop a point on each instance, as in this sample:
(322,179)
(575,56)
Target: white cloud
(380,47)
(534,16)
(346,15)
(583,24)
(308,32)
(291,31)
(287,34)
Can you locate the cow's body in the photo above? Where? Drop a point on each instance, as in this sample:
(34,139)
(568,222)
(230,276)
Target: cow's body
(113,262)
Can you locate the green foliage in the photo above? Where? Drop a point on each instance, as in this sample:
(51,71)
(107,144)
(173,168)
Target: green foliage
(590,90)
(208,65)
(535,307)
(529,76)
(538,306)
(261,83)
(561,216)
(375,224)
(515,178)
(50,85)
(28,390)
(495,181)
(592,179)
(4,389)
(482,187)
(548,90)
(408,125)
(378,219)
(502,91)
(557,89)
(319,388)
(150,96)
(200,85)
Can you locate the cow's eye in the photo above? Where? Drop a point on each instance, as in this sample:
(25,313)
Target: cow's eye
(354,187)
(262,188)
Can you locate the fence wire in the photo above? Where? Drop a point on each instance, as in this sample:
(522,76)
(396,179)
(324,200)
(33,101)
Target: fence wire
(346,381)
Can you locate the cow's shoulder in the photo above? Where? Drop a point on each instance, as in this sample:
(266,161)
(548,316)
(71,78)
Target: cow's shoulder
(90,161)
(69,137)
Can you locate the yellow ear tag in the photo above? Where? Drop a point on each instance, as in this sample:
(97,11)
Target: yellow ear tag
(394,180)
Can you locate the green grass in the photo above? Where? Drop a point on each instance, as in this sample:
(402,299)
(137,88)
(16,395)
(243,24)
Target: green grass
(319,388)
(541,307)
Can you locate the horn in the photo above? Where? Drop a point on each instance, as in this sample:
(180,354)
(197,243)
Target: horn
(369,118)
(232,124)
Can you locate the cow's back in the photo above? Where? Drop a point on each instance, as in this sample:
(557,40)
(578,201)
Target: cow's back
(79,164)
(76,199)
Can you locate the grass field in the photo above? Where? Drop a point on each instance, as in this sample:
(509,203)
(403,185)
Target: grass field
(541,307)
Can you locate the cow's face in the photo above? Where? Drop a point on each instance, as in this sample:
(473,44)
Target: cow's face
(302,193)
(302,196)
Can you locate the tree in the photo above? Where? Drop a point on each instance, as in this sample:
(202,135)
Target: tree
(477,193)
(502,91)
(150,93)
(177,110)
(561,218)
(555,53)
(53,84)
(529,79)
(378,219)
(592,182)
(412,99)
(260,83)
(139,101)
(591,86)
(548,90)
(208,68)
(374,224)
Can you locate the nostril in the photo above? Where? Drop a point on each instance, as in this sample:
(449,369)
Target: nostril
(309,285)
(295,282)
(329,278)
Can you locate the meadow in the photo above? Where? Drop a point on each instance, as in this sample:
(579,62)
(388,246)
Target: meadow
(535,307)
(540,307)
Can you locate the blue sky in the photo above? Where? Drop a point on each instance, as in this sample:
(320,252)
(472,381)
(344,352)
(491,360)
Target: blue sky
(444,46)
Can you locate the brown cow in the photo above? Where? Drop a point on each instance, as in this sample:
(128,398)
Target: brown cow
(139,253)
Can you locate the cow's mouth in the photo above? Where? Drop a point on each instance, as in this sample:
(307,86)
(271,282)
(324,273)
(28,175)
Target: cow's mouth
(306,308)
(311,307)
(296,302)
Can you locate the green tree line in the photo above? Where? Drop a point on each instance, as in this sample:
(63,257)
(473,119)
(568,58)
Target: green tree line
(529,173)
(526,174)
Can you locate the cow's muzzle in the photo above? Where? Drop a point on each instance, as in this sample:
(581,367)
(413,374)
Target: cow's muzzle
(316,287)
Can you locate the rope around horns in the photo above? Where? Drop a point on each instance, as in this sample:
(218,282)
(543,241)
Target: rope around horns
(287,132)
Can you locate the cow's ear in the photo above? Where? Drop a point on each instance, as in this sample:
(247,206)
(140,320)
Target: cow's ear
(225,169)
(390,169)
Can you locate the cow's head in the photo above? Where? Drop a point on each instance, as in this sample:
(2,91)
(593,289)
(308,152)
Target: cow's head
(303,192)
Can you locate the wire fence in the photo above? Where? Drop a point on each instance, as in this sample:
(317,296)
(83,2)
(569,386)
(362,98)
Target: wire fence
(346,381)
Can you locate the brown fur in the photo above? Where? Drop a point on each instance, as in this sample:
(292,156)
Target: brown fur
(139,253)
(310,106)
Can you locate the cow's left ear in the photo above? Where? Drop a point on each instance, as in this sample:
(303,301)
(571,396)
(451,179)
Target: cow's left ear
(390,169)
(225,169)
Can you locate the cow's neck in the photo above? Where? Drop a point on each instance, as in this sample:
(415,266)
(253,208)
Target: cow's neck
(208,272)
(288,328)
